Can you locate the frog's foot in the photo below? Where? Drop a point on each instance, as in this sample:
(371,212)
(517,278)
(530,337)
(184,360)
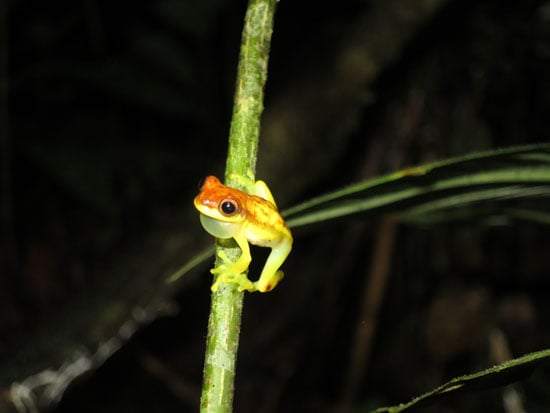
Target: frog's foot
(268,284)
(224,267)
(228,272)
(228,266)
(240,279)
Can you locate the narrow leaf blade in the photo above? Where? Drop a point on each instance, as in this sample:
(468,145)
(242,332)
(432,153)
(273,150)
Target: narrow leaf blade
(496,376)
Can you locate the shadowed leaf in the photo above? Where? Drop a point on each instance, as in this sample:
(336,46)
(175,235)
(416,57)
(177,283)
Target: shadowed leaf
(497,376)
(509,173)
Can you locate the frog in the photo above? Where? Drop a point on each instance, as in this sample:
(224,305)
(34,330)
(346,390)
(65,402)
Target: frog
(249,217)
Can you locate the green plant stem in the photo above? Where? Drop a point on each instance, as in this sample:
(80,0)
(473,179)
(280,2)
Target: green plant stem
(249,93)
(226,307)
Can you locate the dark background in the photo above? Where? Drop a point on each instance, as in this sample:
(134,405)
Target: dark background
(115,112)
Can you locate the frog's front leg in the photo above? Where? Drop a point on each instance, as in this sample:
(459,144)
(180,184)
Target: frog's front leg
(236,272)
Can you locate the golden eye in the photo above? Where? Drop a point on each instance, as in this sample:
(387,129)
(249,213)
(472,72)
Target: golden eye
(229,207)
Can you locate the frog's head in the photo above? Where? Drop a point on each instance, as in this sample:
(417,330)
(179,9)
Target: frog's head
(220,208)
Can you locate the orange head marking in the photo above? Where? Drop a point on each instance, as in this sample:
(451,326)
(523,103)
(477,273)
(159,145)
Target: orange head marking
(215,196)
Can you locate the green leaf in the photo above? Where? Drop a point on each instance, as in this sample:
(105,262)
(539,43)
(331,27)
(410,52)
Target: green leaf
(488,215)
(195,261)
(497,376)
(517,172)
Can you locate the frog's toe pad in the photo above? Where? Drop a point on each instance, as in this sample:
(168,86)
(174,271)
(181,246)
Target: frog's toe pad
(222,255)
(270,283)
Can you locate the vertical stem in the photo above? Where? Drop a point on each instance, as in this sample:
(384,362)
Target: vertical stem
(249,93)
(227,302)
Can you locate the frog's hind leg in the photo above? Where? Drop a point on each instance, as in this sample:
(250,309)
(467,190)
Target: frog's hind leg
(271,275)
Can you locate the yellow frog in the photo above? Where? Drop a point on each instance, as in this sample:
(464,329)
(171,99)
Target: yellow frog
(247,218)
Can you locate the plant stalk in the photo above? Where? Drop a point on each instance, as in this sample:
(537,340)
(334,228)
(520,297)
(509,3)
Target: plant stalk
(227,302)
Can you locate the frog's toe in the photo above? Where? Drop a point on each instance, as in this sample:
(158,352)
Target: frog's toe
(244,283)
(221,269)
(222,255)
(240,279)
(216,270)
(270,283)
(220,279)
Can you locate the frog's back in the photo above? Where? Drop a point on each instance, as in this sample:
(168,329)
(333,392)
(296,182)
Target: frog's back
(264,225)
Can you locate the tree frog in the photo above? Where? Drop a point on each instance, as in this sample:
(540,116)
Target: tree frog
(247,218)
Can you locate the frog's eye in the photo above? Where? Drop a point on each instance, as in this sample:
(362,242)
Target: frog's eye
(229,207)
